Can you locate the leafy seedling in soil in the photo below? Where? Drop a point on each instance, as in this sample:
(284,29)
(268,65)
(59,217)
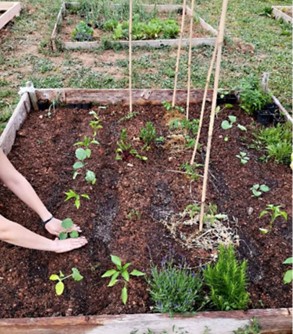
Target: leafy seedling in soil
(90,177)
(81,154)
(210,215)
(148,134)
(86,142)
(71,194)
(82,32)
(125,149)
(67,224)
(259,189)
(168,106)
(121,270)
(95,123)
(191,170)
(242,156)
(128,116)
(274,211)
(59,287)
(225,125)
(288,277)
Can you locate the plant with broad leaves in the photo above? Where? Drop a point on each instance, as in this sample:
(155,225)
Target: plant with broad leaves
(71,194)
(81,154)
(288,276)
(95,123)
(274,211)
(242,156)
(67,224)
(225,125)
(59,286)
(90,177)
(259,189)
(121,270)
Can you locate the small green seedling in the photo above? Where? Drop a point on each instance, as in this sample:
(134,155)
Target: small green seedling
(259,189)
(95,124)
(288,276)
(191,170)
(274,211)
(125,149)
(148,134)
(133,214)
(68,224)
(71,194)
(121,270)
(59,286)
(128,116)
(81,154)
(86,142)
(242,156)
(225,125)
(90,177)
(168,106)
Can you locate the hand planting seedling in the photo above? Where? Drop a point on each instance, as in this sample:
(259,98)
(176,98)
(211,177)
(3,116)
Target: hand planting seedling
(274,211)
(68,224)
(259,189)
(288,277)
(125,149)
(242,156)
(59,287)
(71,194)
(121,270)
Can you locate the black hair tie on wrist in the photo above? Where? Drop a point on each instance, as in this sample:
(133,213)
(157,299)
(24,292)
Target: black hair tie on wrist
(48,220)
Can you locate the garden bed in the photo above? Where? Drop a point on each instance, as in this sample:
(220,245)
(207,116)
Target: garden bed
(61,36)
(8,10)
(283,12)
(156,189)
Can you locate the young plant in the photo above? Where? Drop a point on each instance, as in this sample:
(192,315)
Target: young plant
(227,281)
(81,154)
(59,286)
(225,125)
(210,215)
(191,170)
(82,32)
(121,270)
(288,276)
(274,211)
(125,149)
(175,289)
(90,177)
(95,123)
(86,142)
(67,224)
(148,134)
(133,214)
(168,106)
(242,156)
(71,194)
(259,189)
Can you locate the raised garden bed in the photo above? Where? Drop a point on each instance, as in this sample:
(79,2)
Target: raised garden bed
(8,10)
(62,32)
(43,151)
(283,12)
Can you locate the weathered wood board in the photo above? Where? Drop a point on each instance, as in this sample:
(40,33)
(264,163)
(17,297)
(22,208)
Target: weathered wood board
(11,9)
(279,13)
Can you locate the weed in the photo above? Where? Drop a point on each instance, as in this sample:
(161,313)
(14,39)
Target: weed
(288,276)
(71,194)
(227,281)
(211,214)
(274,211)
(242,156)
(59,286)
(67,225)
(252,328)
(128,116)
(133,214)
(121,270)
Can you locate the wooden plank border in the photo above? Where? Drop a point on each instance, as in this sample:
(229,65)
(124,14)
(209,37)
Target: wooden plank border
(138,43)
(11,9)
(279,14)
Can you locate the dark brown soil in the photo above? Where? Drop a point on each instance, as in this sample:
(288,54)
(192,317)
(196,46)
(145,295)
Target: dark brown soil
(44,153)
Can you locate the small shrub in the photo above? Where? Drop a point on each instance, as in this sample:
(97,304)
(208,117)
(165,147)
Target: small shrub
(227,281)
(174,290)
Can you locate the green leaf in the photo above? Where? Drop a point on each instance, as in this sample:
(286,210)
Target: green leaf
(226,125)
(288,277)
(78,165)
(54,277)
(116,260)
(85,196)
(126,265)
(114,280)
(67,223)
(256,193)
(232,118)
(125,275)
(137,273)
(124,295)
(59,288)
(88,152)
(76,274)
(63,235)
(264,188)
(241,127)
(90,177)
(80,154)
(264,230)
(263,213)
(284,214)
(288,261)
(77,203)
(109,273)
(70,194)
(74,234)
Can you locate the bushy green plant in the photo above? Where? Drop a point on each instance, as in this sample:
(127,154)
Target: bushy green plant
(227,281)
(148,134)
(82,32)
(175,289)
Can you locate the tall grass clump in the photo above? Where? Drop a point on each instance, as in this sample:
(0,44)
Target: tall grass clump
(227,281)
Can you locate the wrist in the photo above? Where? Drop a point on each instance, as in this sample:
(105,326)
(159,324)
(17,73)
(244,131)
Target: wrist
(45,215)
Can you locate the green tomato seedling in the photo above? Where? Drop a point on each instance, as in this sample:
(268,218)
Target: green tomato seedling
(59,286)
(68,224)
(71,194)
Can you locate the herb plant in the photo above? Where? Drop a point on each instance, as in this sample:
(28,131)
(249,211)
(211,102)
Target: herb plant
(288,277)
(242,156)
(274,211)
(59,287)
(259,189)
(121,270)
(227,281)
(82,32)
(67,224)
(175,289)
(71,194)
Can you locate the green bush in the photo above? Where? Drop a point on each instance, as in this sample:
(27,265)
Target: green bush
(227,281)
(175,290)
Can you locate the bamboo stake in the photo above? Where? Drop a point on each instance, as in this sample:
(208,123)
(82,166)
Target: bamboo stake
(178,53)
(204,103)
(189,59)
(130,56)
(220,40)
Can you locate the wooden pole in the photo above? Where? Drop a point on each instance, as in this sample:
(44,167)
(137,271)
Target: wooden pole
(178,53)
(130,56)
(220,40)
(204,104)
(189,59)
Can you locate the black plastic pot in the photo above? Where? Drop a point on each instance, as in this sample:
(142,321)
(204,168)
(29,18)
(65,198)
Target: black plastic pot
(270,114)
(230,98)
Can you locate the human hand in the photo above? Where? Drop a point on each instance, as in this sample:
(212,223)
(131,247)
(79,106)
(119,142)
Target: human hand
(54,227)
(62,246)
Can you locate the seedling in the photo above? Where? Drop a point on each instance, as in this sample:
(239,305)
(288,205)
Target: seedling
(125,149)
(95,124)
(274,211)
(82,32)
(242,156)
(90,177)
(191,170)
(210,215)
(288,277)
(148,134)
(121,270)
(259,189)
(133,215)
(128,116)
(59,286)
(168,106)
(81,154)
(71,194)
(67,224)
(228,124)
(87,141)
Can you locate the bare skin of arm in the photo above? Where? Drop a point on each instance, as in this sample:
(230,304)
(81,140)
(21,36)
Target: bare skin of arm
(18,235)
